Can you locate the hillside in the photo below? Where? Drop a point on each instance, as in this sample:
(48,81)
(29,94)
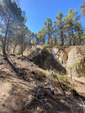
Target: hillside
(25,83)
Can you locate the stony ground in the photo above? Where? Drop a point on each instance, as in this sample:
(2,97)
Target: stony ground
(24,89)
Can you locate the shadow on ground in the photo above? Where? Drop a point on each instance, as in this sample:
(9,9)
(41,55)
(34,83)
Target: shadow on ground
(45,59)
(24,73)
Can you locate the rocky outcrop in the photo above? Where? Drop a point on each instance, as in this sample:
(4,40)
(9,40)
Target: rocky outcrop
(60,56)
(72,58)
(76,62)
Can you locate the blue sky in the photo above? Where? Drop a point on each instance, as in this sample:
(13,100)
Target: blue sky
(38,10)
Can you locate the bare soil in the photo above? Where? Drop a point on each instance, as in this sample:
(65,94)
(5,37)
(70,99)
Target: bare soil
(24,89)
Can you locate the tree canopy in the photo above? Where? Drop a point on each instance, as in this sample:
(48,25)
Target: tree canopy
(65,30)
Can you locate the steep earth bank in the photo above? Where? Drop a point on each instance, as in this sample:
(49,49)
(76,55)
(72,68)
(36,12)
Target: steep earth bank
(25,89)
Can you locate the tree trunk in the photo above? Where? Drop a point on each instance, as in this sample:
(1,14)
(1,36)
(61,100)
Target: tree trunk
(73,37)
(22,46)
(4,42)
(70,41)
(61,38)
(62,41)
(79,40)
(51,41)
(69,38)
(7,48)
(14,47)
(55,40)
(22,49)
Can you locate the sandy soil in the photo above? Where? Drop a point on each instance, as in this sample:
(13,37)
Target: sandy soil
(24,89)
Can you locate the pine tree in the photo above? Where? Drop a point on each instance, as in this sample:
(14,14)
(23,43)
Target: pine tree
(70,20)
(59,23)
(49,29)
(11,16)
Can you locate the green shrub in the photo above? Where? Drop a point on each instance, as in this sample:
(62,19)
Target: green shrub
(45,62)
(83,45)
(0,48)
(54,69)
(38,49)
(62,70)
(62,77)
(47,49)
(45,44)
(76,64)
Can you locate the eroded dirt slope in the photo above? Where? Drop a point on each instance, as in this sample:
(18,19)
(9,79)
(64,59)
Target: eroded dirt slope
(24,89)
